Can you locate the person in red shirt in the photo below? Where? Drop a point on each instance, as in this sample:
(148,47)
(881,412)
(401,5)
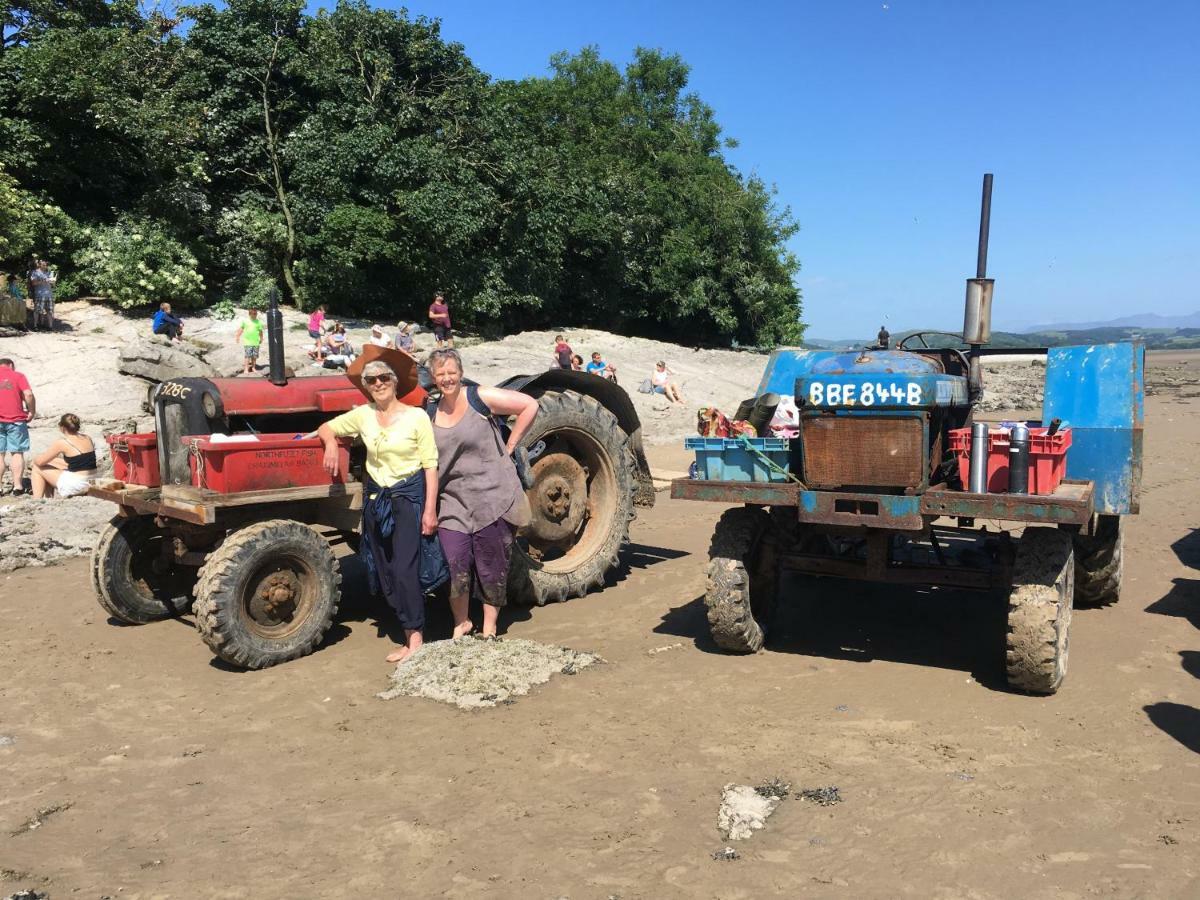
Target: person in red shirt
(17,407)
(439,315)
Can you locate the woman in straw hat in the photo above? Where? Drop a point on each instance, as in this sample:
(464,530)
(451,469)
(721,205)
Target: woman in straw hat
(400,503)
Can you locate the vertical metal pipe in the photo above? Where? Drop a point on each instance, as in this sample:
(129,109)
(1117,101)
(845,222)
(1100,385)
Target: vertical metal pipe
(1018,460)
(275,341)
(977,482)
(985,224)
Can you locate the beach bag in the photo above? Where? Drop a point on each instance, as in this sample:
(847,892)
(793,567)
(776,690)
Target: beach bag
(646,387)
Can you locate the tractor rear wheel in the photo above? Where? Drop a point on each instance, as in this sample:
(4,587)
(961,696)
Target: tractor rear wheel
(1099,563)
(1039,610)
(743,579)
(133,580)
(268,594)
(581,500)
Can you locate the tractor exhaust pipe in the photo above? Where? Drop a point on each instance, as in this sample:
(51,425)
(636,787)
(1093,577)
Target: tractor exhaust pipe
(275,341)
(977,320)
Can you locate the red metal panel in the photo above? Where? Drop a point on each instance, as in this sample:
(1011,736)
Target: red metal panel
(273,461)
(323,393)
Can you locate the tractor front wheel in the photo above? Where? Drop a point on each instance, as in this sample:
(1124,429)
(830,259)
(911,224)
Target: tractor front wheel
(743,579)
(268,594)
(133,578)
(1039,610)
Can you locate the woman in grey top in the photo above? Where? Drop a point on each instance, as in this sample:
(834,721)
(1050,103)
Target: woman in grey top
(481,503)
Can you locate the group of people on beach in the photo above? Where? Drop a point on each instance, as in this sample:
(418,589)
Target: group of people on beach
(444,470)
(661,380)
(64,469)
(40,281)
(330,343)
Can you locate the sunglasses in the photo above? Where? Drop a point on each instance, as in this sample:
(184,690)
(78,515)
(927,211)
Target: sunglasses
(377,379)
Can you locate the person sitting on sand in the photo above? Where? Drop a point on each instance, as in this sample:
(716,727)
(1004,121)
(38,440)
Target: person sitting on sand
(404,339)
(661,382)
(402,459)
(599,367)
(337,343)
(67,466)
(481,502)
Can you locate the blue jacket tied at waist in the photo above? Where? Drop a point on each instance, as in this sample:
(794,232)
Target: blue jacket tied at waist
(405,498)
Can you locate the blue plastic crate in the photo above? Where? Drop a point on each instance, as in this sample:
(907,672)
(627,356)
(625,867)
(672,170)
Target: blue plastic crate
(727,459)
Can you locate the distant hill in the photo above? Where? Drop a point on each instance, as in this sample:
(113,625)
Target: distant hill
(1139,320)
(1174,338)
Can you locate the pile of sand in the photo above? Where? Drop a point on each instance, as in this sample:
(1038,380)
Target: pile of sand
(475,672)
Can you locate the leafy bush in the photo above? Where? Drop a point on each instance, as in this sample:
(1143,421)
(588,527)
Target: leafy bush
(29,227)
(137,263)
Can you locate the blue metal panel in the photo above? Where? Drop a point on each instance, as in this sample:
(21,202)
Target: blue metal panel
(785,366)
(1099,390)
(907,380)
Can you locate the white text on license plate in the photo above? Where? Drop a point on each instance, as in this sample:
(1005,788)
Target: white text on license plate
(863,393)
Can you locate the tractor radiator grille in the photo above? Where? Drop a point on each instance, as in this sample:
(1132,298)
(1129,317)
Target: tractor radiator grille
(868,451)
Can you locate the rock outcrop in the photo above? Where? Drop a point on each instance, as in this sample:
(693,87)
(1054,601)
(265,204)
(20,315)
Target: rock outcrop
(157,361)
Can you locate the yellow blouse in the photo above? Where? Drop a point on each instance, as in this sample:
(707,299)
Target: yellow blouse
(395,452)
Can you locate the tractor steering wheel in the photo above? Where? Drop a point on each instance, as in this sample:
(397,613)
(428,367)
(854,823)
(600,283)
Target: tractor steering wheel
(903,345)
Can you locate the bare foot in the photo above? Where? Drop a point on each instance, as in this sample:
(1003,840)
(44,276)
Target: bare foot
(461,631)
(399,655)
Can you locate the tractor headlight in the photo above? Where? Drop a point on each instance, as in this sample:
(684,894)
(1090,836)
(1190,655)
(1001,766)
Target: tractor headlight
(209,403)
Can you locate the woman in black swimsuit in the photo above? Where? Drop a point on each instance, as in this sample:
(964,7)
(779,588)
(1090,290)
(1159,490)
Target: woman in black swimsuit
(68,466)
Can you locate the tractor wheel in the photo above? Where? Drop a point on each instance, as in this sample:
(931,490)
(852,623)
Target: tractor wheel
(267,594)
(132,579)
(743,579)
(1039,610)
(1099,563)
(585,478)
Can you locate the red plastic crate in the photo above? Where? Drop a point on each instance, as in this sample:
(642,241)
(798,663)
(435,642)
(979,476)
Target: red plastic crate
(135,458)
(273,461)
(1047,458)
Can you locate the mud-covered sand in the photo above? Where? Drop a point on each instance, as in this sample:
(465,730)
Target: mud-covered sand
(172,776)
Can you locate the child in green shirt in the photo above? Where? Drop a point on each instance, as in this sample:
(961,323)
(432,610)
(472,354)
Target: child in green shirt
(250,332)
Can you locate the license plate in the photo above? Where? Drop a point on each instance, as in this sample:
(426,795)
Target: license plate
(864,393)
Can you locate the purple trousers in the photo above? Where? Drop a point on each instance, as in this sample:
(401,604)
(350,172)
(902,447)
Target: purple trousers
(486,553)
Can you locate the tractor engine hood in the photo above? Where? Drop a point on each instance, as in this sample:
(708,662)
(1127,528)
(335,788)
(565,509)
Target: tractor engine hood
(867,379)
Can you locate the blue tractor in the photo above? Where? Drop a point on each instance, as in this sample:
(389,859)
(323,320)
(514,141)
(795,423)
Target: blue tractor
(871,489)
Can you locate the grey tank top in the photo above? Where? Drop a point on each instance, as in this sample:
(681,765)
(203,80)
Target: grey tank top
(477,482)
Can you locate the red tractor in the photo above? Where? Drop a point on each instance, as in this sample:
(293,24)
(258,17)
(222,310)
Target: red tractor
(224,512)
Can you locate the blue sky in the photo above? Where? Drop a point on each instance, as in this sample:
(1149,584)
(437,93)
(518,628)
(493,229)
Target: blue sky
(876,121)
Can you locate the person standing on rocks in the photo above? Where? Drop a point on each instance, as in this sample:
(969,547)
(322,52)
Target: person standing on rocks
(17,408)
(481,502)
(41,285)
(250,333)
(439,315)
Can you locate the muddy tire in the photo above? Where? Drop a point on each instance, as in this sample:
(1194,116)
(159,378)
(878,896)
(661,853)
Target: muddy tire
(743,580)
(585,478)
(1099,563)
(128,576)
(1039,610)
(268,594)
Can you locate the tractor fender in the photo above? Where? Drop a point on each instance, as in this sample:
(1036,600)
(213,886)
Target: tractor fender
(609,395)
